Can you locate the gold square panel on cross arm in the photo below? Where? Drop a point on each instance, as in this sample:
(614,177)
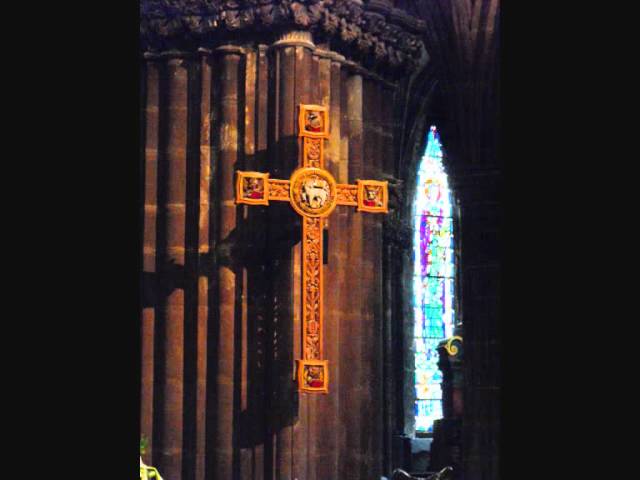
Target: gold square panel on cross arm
(313,121)
(373,196)
(313,375)
(252,188)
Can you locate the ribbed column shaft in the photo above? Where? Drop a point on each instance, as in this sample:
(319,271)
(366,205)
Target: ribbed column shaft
(228,318)
(172,185)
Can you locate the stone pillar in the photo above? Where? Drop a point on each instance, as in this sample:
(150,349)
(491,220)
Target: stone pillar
(290,85)
(172,172)
(353,462)
(372,355)
(175,279)
(390,367)
(151,74)
(229,77)
(249,432)
(203,279)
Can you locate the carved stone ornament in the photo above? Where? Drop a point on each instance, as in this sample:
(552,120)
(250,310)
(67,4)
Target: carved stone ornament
(375,30)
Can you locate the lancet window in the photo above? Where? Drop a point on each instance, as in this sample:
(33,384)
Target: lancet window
(433,280)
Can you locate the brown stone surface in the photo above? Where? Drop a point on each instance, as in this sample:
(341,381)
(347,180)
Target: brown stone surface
(372,265)
(172,312)
(389,333)
(149,251)
(202,272)
(228,318)
(354,432)
(146,392)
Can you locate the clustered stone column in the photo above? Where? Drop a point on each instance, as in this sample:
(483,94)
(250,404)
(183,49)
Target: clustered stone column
(202,274)
(221,322)
(229,62)
(170,261)
(150,73)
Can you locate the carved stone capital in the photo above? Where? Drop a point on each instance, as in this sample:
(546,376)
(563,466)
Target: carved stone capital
(294,38)
(381,37)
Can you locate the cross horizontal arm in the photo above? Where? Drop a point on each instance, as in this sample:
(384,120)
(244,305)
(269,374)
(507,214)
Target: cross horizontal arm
(347,195)
(279,189)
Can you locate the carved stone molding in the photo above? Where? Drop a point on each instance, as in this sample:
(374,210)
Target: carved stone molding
(374,33)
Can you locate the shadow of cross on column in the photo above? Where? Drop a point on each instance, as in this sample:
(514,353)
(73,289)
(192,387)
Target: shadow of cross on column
(313,193)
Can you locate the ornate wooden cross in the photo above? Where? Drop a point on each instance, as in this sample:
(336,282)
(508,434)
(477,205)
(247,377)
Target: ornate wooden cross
(313,193)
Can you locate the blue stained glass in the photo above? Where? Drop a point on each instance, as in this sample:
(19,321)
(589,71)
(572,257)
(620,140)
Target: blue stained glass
(433,280)
(426,412)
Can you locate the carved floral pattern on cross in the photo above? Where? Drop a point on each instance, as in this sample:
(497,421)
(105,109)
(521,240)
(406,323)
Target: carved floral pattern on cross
(313,264)
(313,193)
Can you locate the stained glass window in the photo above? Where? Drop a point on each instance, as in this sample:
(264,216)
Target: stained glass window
(433,279)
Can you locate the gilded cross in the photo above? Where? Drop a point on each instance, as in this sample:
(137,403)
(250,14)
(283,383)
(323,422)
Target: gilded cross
(313,193)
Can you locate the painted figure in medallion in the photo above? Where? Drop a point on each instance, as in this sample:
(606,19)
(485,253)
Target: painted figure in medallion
(314,121)
(253,188)
(373,196)
(314,376)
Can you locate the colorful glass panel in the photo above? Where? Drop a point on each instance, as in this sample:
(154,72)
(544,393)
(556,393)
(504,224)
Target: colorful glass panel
(433,285)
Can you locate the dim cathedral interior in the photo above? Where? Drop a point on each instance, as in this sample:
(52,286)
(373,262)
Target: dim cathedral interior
(321,239)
